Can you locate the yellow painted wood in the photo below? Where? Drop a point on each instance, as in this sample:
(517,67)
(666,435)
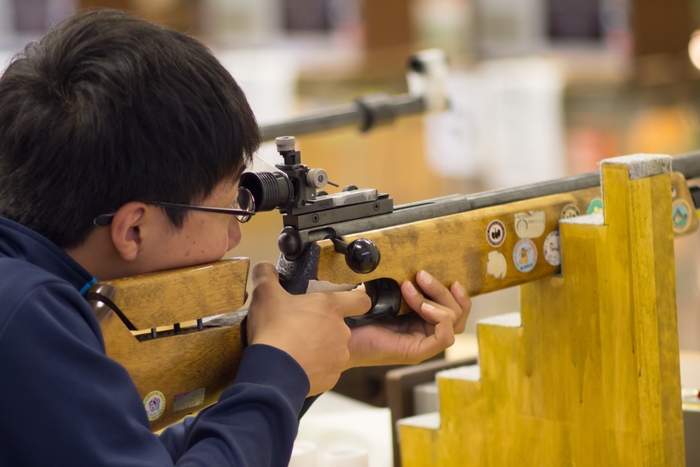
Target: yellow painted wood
(422,441)
(176,364)
(589,375)
(180,295)
(455,247)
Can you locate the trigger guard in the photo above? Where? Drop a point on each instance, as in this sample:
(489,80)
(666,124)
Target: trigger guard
(386,302)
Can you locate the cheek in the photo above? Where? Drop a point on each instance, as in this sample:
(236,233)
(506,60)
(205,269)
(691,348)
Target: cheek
(218,240)
(211,242)
(234,234)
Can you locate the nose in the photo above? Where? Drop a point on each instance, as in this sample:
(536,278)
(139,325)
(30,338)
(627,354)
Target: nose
(234,233)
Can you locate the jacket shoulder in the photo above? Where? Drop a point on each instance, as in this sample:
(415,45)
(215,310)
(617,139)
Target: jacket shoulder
(20,278)
(37,292)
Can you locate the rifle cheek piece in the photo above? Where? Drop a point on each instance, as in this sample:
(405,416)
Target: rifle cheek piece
(361,255)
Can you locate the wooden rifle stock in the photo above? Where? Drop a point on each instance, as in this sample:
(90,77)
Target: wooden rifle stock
(152,326)
(456,247)
(190,367)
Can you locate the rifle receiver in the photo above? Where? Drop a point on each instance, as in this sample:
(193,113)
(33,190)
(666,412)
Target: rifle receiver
(293,190)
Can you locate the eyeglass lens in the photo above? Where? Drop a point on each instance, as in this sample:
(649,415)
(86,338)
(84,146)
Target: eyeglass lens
(244,202)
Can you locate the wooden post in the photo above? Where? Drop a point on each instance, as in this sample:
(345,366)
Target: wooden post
(588,373)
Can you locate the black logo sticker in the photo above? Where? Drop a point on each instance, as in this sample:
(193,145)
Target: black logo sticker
(495,233)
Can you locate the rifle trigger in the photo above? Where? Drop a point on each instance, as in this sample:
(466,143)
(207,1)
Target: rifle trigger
(386,302)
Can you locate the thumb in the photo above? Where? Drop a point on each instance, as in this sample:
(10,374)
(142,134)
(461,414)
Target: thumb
(264,272)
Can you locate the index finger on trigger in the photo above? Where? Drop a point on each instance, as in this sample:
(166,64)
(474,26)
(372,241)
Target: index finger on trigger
(353,303)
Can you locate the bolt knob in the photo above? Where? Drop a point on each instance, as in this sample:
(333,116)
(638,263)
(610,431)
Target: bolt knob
(289,244)
(362,256)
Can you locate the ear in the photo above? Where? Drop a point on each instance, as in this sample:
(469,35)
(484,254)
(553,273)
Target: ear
(126,229)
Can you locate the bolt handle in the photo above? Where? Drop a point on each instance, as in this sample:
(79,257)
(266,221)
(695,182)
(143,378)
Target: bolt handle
(361,255)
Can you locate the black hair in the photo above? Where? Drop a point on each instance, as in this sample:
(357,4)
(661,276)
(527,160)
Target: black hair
(108,108)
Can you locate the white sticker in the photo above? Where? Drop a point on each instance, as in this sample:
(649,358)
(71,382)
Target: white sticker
(529,224)
(154,403)
(187,400)
(552,250)
(496,265)
(495,233)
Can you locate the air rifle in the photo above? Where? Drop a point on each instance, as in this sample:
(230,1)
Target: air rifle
(487,241)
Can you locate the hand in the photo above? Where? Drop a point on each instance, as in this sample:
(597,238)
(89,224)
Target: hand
(417,336)
(310,328)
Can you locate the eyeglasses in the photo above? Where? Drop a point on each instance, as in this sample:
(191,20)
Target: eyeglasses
(243,208)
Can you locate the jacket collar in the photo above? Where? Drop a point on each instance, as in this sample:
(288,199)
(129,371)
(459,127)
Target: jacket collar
(20,242)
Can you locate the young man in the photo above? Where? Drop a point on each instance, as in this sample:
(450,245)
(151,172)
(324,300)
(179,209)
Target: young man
(101,122)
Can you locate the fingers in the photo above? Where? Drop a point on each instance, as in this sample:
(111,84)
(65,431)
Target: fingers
(347,303)
(352,303)
(443,335)
(264,271)
(454,300)
(436,291)
(413,298)
(464,302)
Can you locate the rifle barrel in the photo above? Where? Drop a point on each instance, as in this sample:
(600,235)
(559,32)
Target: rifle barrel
(367,111)
(687,164)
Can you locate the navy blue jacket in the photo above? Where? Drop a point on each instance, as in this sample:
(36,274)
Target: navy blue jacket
(63,402)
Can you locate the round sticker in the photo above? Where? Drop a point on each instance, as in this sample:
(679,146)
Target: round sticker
(595,206)
(569,211)
(496,265)
(495,233)
(154,403)
(552,251)
(681,215)
(529,224)
(525,255)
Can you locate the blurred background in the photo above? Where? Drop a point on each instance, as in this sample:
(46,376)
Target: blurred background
(539,89)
